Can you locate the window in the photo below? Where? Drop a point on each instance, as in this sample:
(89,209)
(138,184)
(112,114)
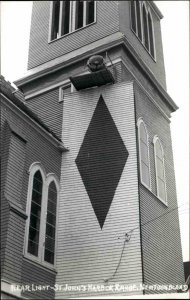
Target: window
(68,16)
(40,240)
(51,224)
(35,214)
(63,91)
(143,25)
(151,37)
(139,20)
(160,170)
(145,28)
(136,18)
(133,16)
(143,153)
(60,21)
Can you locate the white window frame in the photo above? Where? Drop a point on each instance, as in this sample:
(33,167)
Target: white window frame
(139,123)
(135,7)
(47,179)
(60,21)
(72,20)
(62,87)
(153,35)
(147,10)
(155,140)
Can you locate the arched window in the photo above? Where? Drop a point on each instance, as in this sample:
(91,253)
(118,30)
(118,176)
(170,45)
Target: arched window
(49,251)
(35,214)
(143,153)
(151,35)
(138,9)
(40,236)
(160,170)
(145,28)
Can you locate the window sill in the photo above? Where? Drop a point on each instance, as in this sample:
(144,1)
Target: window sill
(74,31)
(155,196)
(153,58)
(39,264)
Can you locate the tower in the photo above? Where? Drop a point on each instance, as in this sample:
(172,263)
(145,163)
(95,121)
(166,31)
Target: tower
(116,219)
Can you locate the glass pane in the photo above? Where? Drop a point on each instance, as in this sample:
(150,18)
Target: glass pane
(161,189)
(51,219)
(160,169)
(36,197)
(37,182)
(145,28)
(34,222)
(139,20)
(49,256)
(52,195)
(32,248)
(144,153)
(55,20)
(51,207)
(159,150)
(143,134)
(150,26)
(33,235)
(50,231)
(133,16)
(49,244)
(65,17)
(35,209)
(79,14)
(145,174)
(89,12)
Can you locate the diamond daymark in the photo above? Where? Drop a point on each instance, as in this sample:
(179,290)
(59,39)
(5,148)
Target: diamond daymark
(101,160)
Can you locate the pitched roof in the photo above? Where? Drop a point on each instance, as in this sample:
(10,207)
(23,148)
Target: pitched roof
(17,98)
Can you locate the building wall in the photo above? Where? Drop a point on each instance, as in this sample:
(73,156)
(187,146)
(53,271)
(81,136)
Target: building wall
(157,65)
(40,51)
(49,109)
(112,17)
(47,105)
(26,145)
(161,244)
(86,253)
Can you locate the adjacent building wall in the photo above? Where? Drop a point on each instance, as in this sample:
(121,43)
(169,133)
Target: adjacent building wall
(24,146)
(161,244)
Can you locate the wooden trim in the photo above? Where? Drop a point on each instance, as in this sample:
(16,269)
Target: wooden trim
(104,44)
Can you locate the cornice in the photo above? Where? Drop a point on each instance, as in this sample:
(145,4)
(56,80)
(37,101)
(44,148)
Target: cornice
(105,44)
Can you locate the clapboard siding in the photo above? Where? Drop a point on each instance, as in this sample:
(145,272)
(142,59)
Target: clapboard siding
(49,109)
(13,259)
(157,67)
(85,253)
(15,168)
(161,244)
(5,138)
(132,67)
(38,277)
(17,157)
(40,51)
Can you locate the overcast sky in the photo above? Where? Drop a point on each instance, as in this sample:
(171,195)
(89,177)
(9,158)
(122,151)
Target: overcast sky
(16,17)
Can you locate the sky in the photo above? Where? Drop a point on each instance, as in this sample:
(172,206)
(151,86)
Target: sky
(15,29)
